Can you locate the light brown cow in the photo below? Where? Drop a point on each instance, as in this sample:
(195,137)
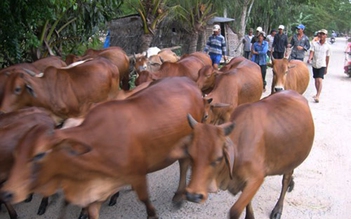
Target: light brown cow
(115,54)
(289,74)
(271,137)
(64,92)
(154,62)
(239,85)
(37,67)
(189,66)
(13,127)
(118,143)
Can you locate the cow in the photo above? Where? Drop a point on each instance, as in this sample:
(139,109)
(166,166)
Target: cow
(37,66)
(13,126)
(115,54)
(152,63)
(237,86)
(289,74)
(207,75)
(64,92)
(188,65)
(272,136)
(118,143)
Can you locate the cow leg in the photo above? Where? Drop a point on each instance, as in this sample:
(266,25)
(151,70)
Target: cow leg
(10,209)
(178,196)
(245,198)
(286,183)
(94,210)
(83,214)
(249,212)
(140,187)
(113,199)
(29,198)
(43,205)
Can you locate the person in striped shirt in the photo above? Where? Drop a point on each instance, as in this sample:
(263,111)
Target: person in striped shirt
(216,46)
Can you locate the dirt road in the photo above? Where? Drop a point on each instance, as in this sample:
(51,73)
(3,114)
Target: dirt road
(322,182)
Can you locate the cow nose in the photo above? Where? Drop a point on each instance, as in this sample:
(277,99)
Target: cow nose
(6,196)
(197,198)
(278,89)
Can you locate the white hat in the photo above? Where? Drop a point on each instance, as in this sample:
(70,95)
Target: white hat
(216,27)
(323,31)
(259,29)
(281,27)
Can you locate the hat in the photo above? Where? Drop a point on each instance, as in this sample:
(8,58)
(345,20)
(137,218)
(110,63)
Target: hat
(216,27)
(281,27)
(300,26)
(323,31)
(259,29)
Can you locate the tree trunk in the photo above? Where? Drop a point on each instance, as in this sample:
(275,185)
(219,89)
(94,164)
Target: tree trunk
(193,37)
(146,40)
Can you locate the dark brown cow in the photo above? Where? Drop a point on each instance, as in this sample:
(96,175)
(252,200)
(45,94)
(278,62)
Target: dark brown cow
(189,65)
(13,126)
(118,143)
(115,54)
(271,137)
(37,66)
(64,92)
(234,87)
(289,74)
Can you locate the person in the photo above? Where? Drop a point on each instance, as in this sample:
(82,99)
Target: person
(316,36)
(347,56)
(247,43)
(270,39)
(299,43)
(216,46)
(319,58)
(280,43)
(259,55)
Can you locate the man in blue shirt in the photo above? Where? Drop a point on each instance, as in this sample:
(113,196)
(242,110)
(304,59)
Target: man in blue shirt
(216,46)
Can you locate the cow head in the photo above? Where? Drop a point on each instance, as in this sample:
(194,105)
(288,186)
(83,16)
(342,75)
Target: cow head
(216,113)
(207,77)
(281,68)
(38,160)
(210,152)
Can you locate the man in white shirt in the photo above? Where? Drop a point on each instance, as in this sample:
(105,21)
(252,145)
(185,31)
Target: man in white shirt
(319,58)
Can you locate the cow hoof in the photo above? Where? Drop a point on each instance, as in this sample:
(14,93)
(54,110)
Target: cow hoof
(41,211)
(275,215)
(178,200)
(152,217)
(291,185)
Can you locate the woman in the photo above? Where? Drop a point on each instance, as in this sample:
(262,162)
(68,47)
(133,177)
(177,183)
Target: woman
(259,55)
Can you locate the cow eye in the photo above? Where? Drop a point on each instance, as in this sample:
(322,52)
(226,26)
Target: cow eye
(39,156)
(18,90)
(216,162)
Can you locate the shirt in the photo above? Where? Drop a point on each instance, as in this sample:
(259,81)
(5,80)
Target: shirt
(261,57)
(216,45)
(304,42)
(280,42)
(270,39)
(320,54)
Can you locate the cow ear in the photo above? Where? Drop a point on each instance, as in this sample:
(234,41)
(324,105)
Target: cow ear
(30,90)
(74,147)
(228,152)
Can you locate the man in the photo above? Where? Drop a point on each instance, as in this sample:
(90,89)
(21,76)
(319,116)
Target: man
(270,39)
(280,43)
(299,44)
(247,43)
(216,46)
(319,57)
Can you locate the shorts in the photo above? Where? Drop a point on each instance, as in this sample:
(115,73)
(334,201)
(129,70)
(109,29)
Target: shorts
(318,72)
(216,58)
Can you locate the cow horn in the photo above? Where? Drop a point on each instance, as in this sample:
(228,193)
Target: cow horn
(192,121)
(33,74)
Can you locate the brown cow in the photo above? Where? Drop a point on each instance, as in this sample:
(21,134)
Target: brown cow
(64,92)
(118,143)
(37,66)
(289,74)
(234,87)
(189,65)
(153,63)
(115,54)
(271,137)
(208,75)
(13,126)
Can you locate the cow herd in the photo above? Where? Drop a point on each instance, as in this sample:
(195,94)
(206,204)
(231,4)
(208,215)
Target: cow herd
(76,127)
